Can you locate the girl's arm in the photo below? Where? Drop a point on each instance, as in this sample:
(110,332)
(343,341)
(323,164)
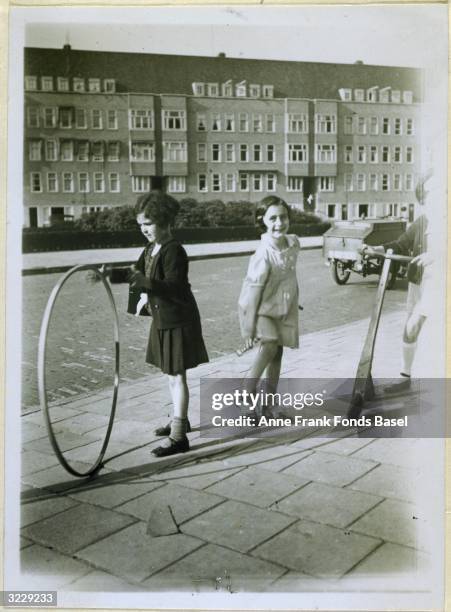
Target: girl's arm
(175,269)
(251,294)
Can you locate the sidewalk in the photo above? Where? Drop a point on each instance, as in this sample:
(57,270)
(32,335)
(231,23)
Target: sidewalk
(61,261)
(273,514)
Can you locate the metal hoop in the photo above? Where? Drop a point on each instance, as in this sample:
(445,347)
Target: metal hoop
(41,370)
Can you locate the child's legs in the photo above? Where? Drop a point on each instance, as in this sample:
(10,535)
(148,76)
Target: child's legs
(273,370)
(266,353)
(178,388)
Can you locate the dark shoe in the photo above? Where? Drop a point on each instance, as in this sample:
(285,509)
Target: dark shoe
(398,387)
(179,446)
(165,430)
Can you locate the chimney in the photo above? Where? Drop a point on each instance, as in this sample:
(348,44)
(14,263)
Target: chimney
(221,55)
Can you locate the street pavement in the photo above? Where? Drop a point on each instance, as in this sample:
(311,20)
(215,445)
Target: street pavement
(289,513)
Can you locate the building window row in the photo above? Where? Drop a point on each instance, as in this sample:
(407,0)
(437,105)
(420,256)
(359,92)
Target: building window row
(70,182)
(378,182)
(226,152)
(73,150)
(67,117)
(232,182)
(375,154)
(375,94)
(227,122)
(63,84)
(397,126)
(229,89)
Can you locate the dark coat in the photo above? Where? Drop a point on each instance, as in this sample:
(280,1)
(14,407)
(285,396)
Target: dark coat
(412,241)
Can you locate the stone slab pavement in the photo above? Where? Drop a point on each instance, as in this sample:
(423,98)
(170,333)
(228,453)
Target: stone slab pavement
(289,513)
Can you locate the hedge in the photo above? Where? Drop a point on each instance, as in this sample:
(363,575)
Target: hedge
(68,239)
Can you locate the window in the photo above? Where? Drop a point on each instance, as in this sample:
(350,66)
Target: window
(409,155)
(198,89)
(79,85)
(409,127)
(50,117)
(297,153)
(202,182)
(385,180)
(52,182)
(361,182)
(97,151)
(68,182)
(140,184)
(63,84)
(141,119)
(244,152)
(34,150)
(230,152)
(31,83)
(359,95)
(47,83)
(371,94)
(348,182)
(213,90)
(268,91)
(230,182)
(327,183)
(271,182)
(96,119)
(229,122)
(374,154)
(215,182)
(257,153)
(174,151)
(240,89)
(174,120)
(345,94)
(297,123)
(331,211)
(94,85)
(373,182)
(201,122)
(326,124)
(201,152)
(51,150)
(113,151)
(83,151)
(176,184)
(385,155)
(397,127)
(35,182)
(257,182)
(33,116)
(348,157)
(348,125)
(227,89)
(384,94)
(257,122)
(67,150)
(254,91)
(99,182)
(215,152)
(295,183)
(65,117)
(408,182)
(109,85)
(243,122)
(83,182)
(81,120)
(270,122)
(397,155)
(396,96)
(374,126)
(385,125)
(361,125)
(397,182)
(143,152)
(111,119)
(392,210)
(325,153)
(270,153)
(361,154)
(216,122)
(407,97)
(244,181)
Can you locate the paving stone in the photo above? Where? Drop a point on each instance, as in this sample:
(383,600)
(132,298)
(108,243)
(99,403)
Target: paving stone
(45,570)
(389,481)
(396,451)
(391,521)
(103,582)
(57,413)
(316,549)
(327,504)
(56,478)
(256,486)
(273,458)
(134,556)
(295,582)
(346,446)
(391,559)
(197,475)
(185,503)
(86,422)
(214,568)
(24,543)
(137,461)
(33,461)
(330,469)
(90,452)
(112,492)
(30,431)
(236,525)
(76,528)
(34,511)
(161,521)
(65,440)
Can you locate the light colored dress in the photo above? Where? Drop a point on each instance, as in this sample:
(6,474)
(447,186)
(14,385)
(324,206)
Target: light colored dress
(268,303)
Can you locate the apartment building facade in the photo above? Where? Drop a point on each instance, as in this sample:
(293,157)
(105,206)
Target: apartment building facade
(101,128)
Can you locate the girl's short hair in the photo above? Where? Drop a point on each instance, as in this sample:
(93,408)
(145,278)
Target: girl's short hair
(158,206)
(263,206)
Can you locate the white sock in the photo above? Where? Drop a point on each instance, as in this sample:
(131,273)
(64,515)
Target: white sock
(408,355)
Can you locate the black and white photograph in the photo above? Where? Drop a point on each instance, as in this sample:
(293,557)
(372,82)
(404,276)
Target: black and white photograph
(226,313)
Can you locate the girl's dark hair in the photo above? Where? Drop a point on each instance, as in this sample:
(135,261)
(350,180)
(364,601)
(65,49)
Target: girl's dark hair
(158,206)
(263,206)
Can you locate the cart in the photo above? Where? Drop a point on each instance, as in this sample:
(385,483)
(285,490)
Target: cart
(344,239)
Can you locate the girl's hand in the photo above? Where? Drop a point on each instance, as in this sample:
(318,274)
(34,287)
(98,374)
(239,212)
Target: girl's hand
(423,260)
(138,280)
(249,342)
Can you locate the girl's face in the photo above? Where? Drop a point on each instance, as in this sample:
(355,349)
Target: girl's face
(152,231)
(276,221)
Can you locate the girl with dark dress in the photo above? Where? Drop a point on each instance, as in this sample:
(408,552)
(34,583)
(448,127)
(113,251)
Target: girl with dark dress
(175,341)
